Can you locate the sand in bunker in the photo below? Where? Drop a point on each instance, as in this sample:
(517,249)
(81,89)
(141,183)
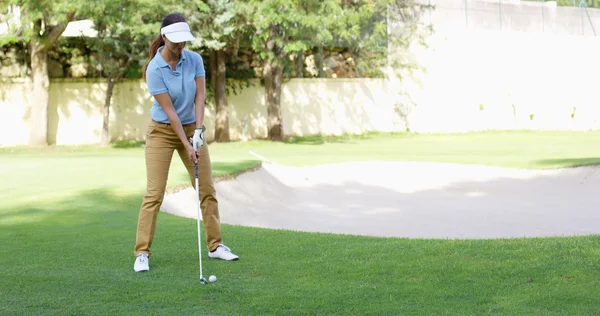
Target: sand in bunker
(408,199)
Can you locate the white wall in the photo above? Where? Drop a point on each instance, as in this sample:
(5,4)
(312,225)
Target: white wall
(309,106)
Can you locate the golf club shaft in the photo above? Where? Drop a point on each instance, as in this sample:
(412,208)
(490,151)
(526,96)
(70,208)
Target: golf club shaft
(198,220)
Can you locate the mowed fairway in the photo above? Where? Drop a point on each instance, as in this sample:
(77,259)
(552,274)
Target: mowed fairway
(68,219)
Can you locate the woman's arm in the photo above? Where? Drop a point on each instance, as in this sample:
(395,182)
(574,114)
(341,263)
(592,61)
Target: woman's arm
(164,100)
(199,100)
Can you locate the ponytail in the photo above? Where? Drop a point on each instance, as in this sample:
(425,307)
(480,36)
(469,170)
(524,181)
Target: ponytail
(158,42)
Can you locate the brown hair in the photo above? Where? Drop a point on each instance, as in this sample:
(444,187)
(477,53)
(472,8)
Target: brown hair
(158,42)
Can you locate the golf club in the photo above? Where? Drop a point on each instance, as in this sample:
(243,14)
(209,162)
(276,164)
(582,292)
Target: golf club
(202,279)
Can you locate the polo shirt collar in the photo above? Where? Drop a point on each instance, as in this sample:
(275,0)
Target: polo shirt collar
(161,61)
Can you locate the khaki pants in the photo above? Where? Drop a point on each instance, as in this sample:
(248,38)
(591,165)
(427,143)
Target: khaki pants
(161,142)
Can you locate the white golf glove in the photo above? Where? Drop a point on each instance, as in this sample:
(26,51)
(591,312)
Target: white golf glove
(198,139)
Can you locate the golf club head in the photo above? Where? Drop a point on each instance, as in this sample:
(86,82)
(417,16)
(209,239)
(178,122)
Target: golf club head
(203,281)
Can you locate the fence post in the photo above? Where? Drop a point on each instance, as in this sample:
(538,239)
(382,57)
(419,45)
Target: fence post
(590,20)
(581,9)
(543,18)
(466,14)
(500,12)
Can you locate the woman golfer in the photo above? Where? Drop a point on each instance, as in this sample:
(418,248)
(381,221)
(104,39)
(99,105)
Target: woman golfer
(176,79)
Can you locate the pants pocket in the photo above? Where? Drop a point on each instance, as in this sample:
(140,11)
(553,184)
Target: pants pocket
(150,128)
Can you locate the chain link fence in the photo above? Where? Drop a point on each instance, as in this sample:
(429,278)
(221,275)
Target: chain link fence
(578,18)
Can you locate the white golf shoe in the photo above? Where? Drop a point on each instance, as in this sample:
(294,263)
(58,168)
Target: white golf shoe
(223,252)
(141,263)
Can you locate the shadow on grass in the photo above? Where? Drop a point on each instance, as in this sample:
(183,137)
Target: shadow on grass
(71,256)
(569,162)
(83,208)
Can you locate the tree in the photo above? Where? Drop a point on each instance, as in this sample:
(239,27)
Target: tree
(213,21)
(403,19)
(219,27)
(380,35)
(364,26)
(122,39)
(357,28)
(286,26)
(39,23)
(283,27)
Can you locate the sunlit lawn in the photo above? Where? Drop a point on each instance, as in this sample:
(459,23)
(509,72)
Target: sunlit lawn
(68,217)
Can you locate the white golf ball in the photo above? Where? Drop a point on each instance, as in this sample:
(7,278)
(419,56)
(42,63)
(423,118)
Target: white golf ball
(212,278)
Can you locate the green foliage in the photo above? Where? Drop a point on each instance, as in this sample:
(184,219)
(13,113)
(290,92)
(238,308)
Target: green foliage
(123,35)
(72,52)
(9,39)
(361,27)
(282,27)
(9,11)
(217,25)
(215,22)
(14,58)
(578,3)
(371,29)
(367,28)
(274,29)
(236,79)
(80,58)
(34,20)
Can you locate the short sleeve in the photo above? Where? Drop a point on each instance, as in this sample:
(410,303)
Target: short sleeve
(155,82)
(200,72)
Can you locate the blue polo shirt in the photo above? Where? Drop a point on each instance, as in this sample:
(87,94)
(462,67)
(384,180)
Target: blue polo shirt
(180,84)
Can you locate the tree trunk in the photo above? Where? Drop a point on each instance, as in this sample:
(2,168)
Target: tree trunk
(105,140)
(38,50)
(217,65)
(300,73)
(273,75)
(38,129)
(320,62)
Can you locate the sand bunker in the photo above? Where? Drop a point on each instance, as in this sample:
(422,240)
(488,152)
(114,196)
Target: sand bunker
(408,199)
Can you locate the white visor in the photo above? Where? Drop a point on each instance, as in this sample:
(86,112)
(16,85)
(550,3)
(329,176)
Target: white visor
(178,32)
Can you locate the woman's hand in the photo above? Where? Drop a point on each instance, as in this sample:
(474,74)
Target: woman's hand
(192,153)
(198,139)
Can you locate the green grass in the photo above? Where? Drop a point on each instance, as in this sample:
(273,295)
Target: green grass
(77,259)
(521,149)
(512,149)
(68,218)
